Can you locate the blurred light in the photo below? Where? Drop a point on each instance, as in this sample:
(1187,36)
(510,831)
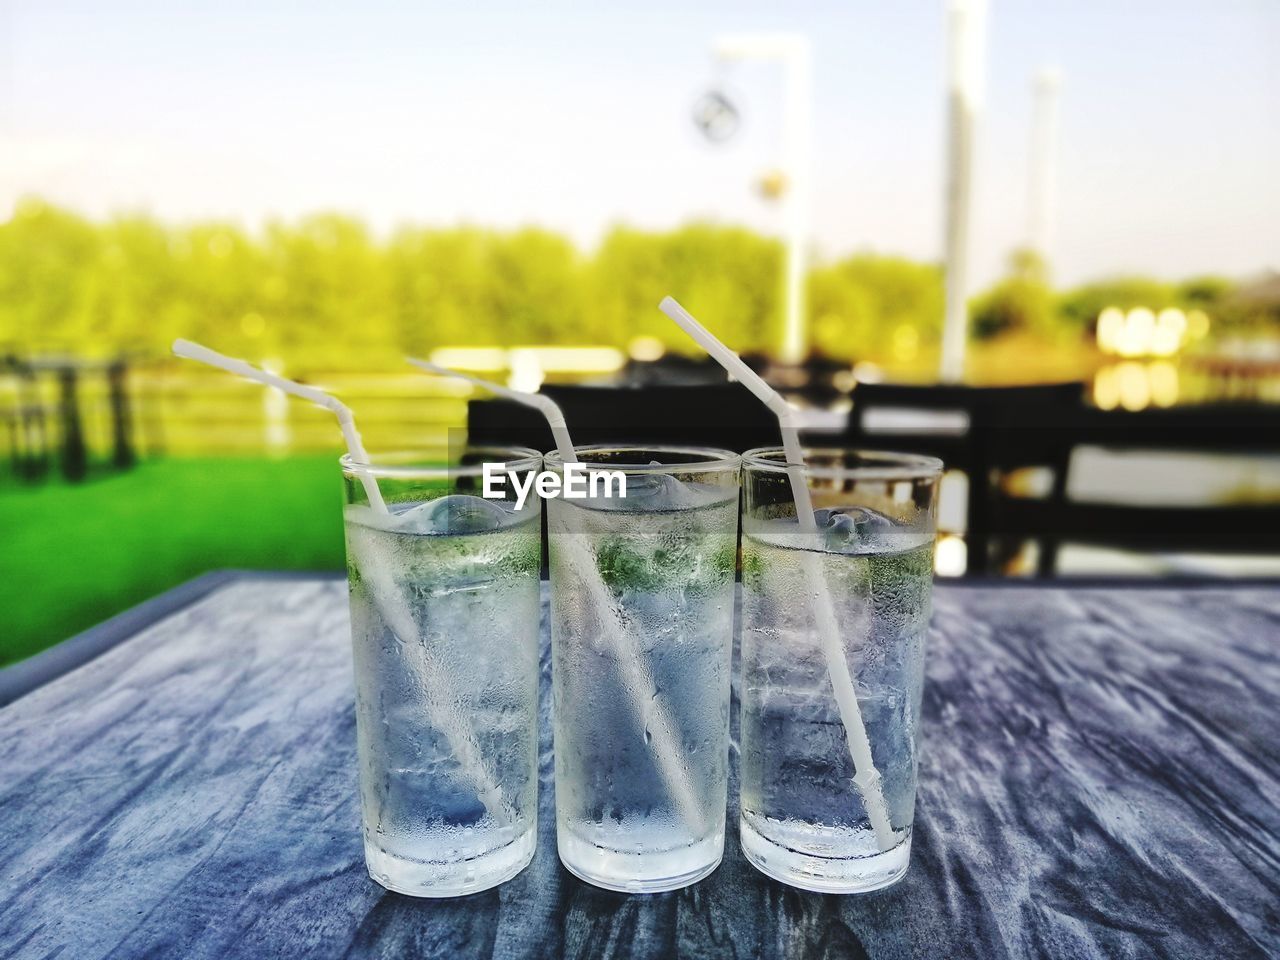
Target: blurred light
(1106,389)
(530,365)
(1171,325)
(1142,333)
(773,185)
(1197,324)
(470,358)
(866,372)
(715,116)
(951,559)
(1029,482)
(526,371)
(1164,343)
(953,500)
(1164,383)
(1135,390)
(844,380)
(1135,340)
(1173,319)
(252,324)
(1110,329)
(572,359)
(645,349)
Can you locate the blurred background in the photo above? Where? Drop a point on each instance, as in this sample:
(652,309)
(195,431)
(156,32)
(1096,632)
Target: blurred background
(1039,239)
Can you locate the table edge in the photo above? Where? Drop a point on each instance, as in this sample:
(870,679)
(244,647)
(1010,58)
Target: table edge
(21,678)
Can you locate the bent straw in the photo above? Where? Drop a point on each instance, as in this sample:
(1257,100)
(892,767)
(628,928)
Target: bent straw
(866,776)
(634,675)
(388,597)
(194,351)
(548,407)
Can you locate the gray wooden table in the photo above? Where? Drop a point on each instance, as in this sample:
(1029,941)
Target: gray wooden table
(1101,776)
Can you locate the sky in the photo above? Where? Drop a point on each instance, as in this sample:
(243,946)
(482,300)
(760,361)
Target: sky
(578,117)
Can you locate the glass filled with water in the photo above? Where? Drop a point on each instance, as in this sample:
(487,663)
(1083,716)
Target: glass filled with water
(642,626)
(444,623)
(853,597)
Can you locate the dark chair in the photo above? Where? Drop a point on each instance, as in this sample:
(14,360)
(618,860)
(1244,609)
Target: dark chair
(712,415)
(985,432)
(672,370)
(824,381)
(1230,528)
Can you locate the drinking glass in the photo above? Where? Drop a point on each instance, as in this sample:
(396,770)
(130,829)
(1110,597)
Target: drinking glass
(642,627)
(864,576)
(444,623)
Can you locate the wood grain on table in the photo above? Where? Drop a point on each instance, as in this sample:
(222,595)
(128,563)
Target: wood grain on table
(1100,778)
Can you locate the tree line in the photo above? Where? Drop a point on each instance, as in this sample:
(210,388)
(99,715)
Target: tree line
(325,290)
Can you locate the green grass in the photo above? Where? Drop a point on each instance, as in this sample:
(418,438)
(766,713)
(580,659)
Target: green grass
(73,555)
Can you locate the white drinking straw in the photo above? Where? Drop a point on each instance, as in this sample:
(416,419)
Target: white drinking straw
(635,678)
(388,597)
(866,777)
(548,407)
(194,351)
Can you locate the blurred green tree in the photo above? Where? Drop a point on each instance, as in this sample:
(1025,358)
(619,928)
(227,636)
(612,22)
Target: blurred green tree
(863,306)
(728,275)
(48,262)
(329,286)
(325,292)
(1021,302)
(1206,293)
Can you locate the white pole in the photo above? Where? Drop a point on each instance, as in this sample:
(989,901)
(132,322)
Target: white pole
(1041,182)
(793,52)
(966,28)
(798,139)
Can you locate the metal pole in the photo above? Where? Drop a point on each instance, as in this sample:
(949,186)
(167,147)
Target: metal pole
(798,139)
(966,26)
(121,423)
(75,460)
(792,51)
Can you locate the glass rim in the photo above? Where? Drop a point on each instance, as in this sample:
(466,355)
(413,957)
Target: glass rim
(881,464)
(400,463)
(711,458)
